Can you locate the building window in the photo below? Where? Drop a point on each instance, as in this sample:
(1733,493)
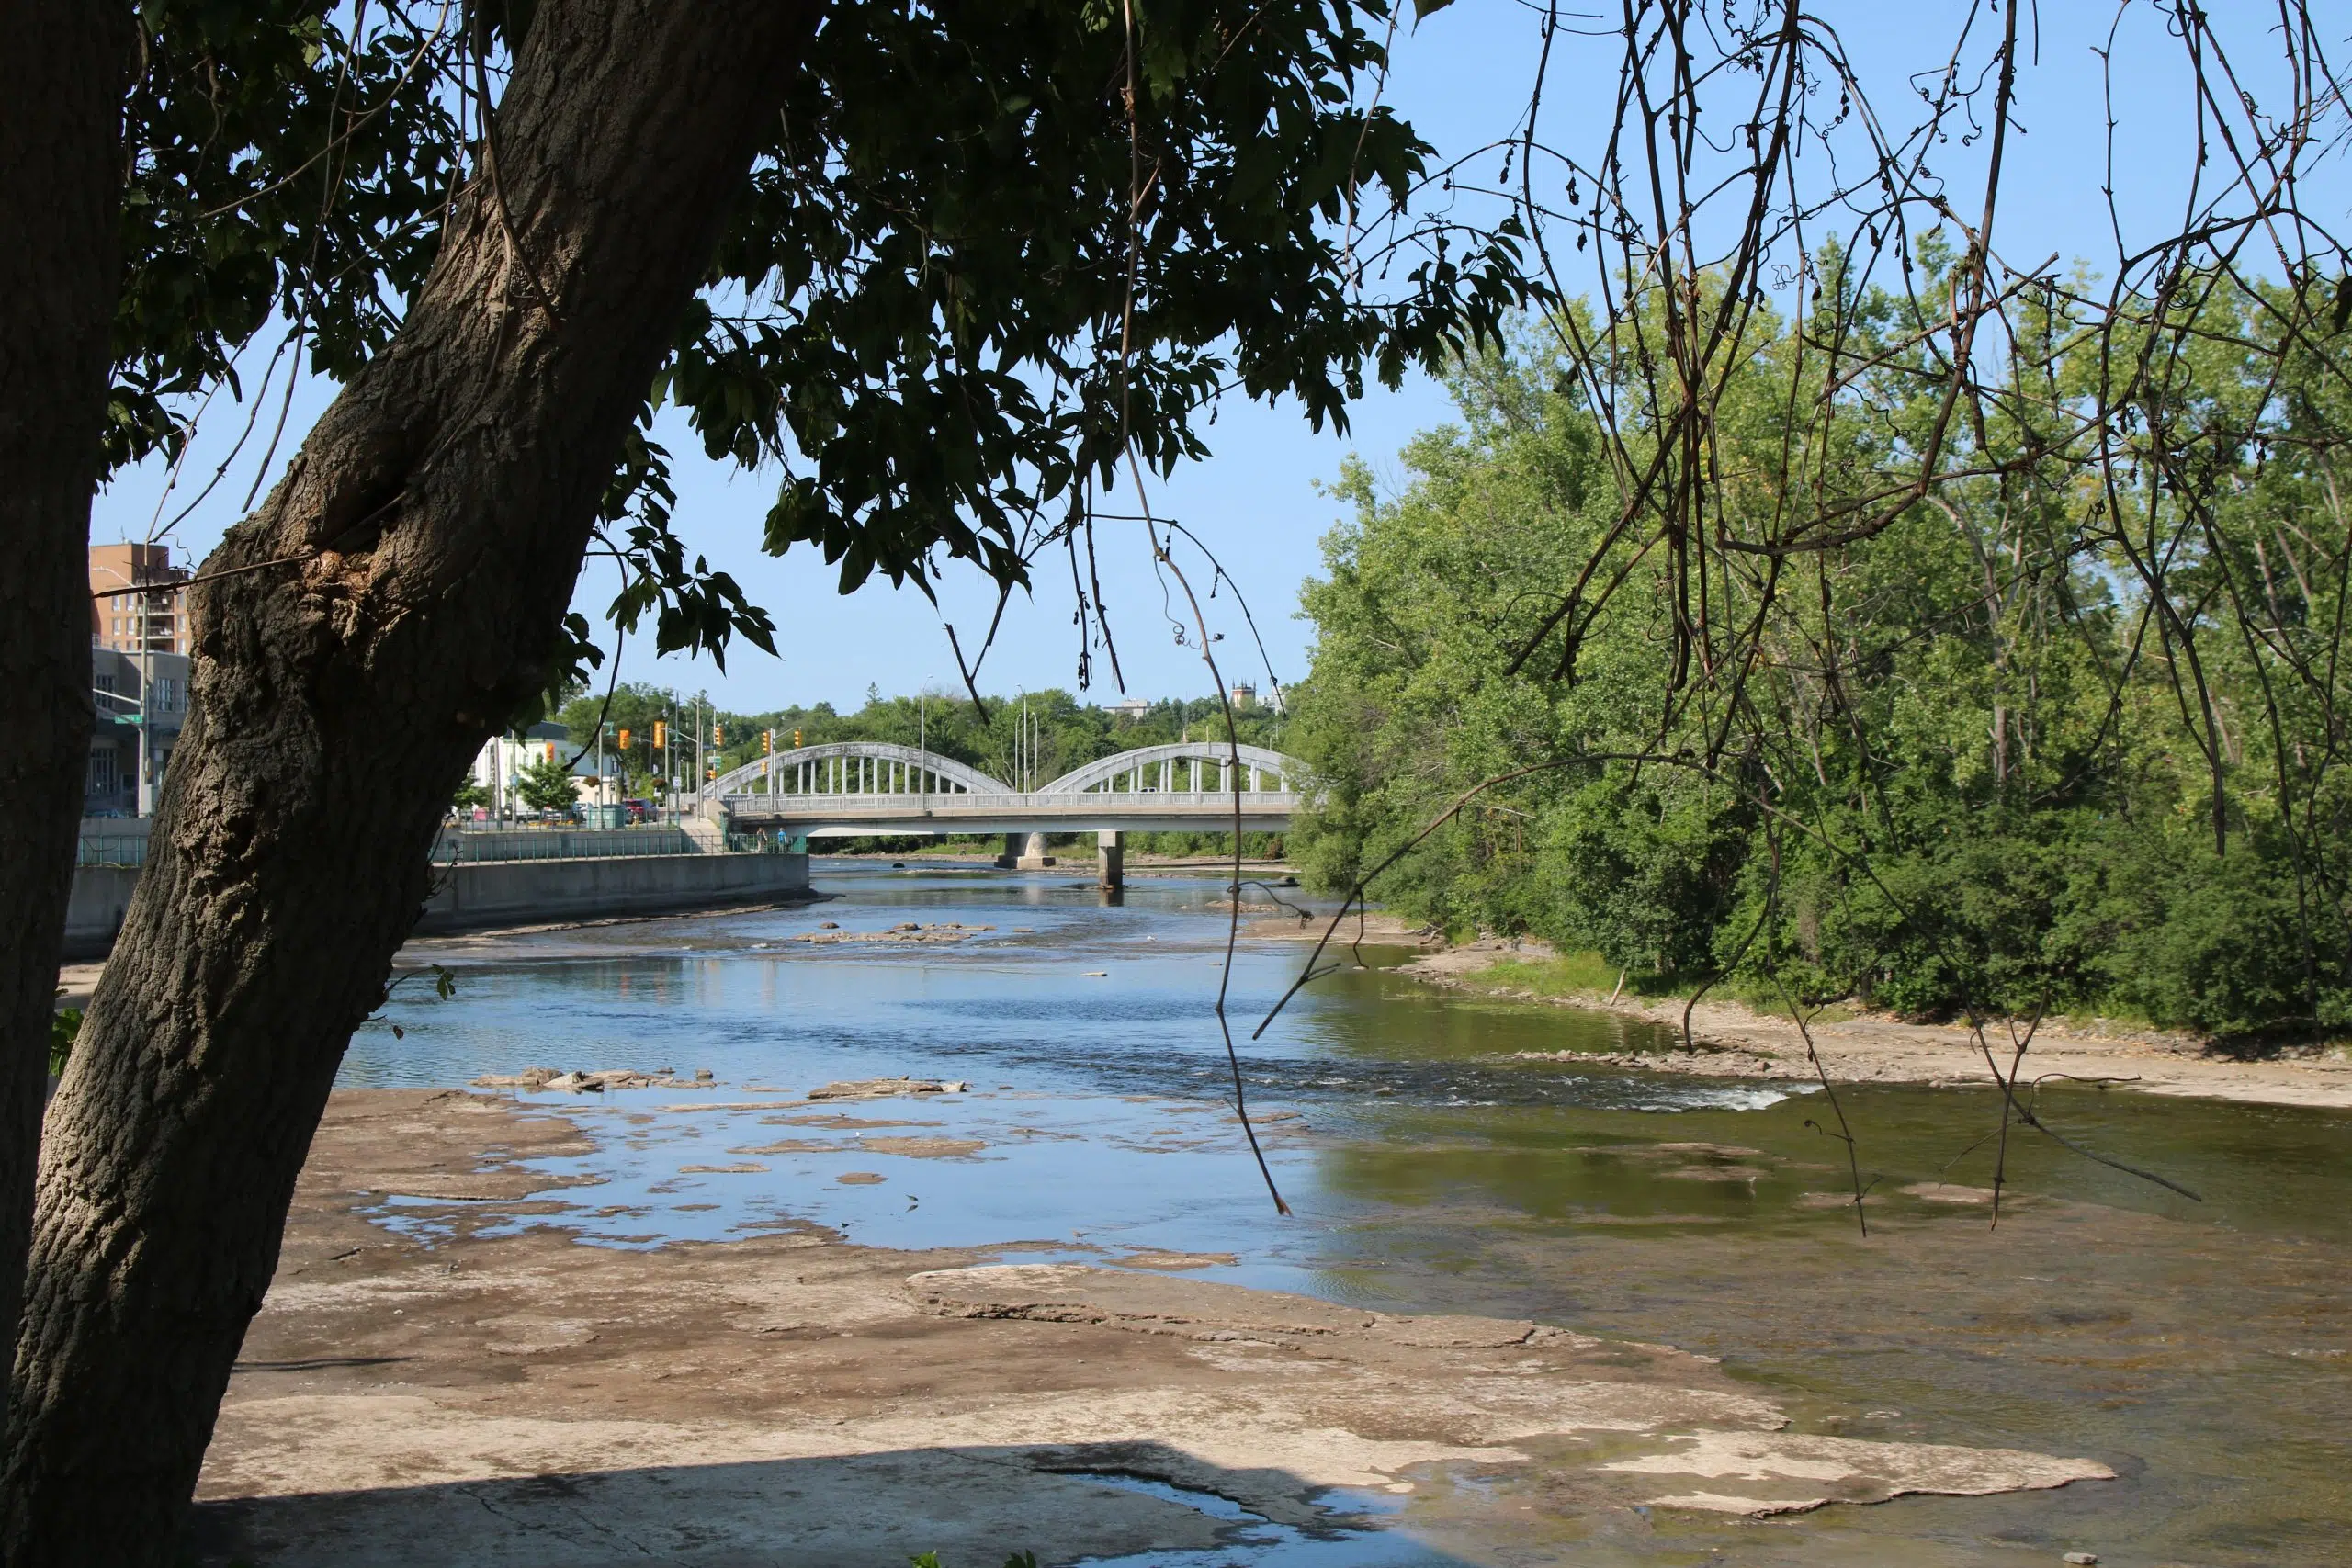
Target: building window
(167,695)
(102,777)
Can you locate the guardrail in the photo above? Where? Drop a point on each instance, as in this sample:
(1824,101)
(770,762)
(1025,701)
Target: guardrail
(111,849)
(559,843)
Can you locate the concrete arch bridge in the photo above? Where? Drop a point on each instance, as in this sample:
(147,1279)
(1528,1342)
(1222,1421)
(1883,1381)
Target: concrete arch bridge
(854,788)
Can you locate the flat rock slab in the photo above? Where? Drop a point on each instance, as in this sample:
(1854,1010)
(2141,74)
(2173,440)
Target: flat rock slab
(523,1401)
(1178,1260)
(886,1089)
(1068,1292)
(912,1148)
(764,1505)
(908,931)
(1755,1471)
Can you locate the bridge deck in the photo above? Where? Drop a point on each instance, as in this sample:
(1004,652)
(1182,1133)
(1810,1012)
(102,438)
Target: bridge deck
(835,815)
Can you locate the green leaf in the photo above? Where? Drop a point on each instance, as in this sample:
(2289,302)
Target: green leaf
(65,1029)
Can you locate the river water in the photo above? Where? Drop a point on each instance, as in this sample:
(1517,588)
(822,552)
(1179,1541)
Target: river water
(2199,1348)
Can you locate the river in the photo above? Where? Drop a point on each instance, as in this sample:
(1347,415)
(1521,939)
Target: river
(2199,1348)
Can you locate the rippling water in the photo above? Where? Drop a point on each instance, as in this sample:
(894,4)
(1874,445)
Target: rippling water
(2201,1350)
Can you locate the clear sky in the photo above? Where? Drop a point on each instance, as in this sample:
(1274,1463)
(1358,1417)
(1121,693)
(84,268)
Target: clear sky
(1462,78)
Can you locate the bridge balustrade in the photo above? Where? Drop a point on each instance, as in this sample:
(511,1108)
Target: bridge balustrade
(884,777)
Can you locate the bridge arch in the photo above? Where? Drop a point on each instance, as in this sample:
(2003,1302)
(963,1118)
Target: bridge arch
(1159,767)
(854,767)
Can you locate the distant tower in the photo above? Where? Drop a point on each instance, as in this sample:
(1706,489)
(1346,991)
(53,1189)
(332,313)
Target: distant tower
(1245,696)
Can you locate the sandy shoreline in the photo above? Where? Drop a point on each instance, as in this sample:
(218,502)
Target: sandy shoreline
(526,1399)
(1735,1041)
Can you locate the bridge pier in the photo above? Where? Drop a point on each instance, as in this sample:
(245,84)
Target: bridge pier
(1111,860)
(1024,852)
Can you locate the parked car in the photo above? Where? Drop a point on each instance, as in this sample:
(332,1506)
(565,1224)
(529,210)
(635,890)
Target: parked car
(638,811)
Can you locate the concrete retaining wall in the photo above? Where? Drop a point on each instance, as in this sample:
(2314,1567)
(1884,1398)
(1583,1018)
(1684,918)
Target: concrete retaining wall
(513,892)
(508,893)
(101,893)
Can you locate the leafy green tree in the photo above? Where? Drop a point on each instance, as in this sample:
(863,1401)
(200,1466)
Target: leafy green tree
(2037,742)
(917,257)
(546,785)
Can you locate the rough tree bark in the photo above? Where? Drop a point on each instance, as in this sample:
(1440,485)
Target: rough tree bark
(61,191)
(430,530)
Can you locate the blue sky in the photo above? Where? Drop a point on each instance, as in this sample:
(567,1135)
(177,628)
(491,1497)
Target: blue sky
(1462,77)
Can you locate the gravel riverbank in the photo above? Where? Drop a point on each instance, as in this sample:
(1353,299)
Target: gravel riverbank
(1730,1040)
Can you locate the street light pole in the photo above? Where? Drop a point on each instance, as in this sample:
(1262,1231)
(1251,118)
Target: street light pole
(146,709)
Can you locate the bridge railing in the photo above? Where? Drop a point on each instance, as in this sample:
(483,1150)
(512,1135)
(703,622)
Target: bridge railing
(1019,802)
(872,769)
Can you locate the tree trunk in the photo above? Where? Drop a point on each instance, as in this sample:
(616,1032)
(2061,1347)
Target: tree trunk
(397,597)
(60,192)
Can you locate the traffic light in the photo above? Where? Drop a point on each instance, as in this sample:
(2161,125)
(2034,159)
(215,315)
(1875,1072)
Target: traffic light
(718,735)
(767,744)
(661,734)
(624,737)
(796,737)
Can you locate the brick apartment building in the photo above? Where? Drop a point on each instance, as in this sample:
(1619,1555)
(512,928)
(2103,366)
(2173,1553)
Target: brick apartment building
(125,618)
(139,670)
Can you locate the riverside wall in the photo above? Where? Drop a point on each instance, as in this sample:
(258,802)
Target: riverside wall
(94,913)
(476,894)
